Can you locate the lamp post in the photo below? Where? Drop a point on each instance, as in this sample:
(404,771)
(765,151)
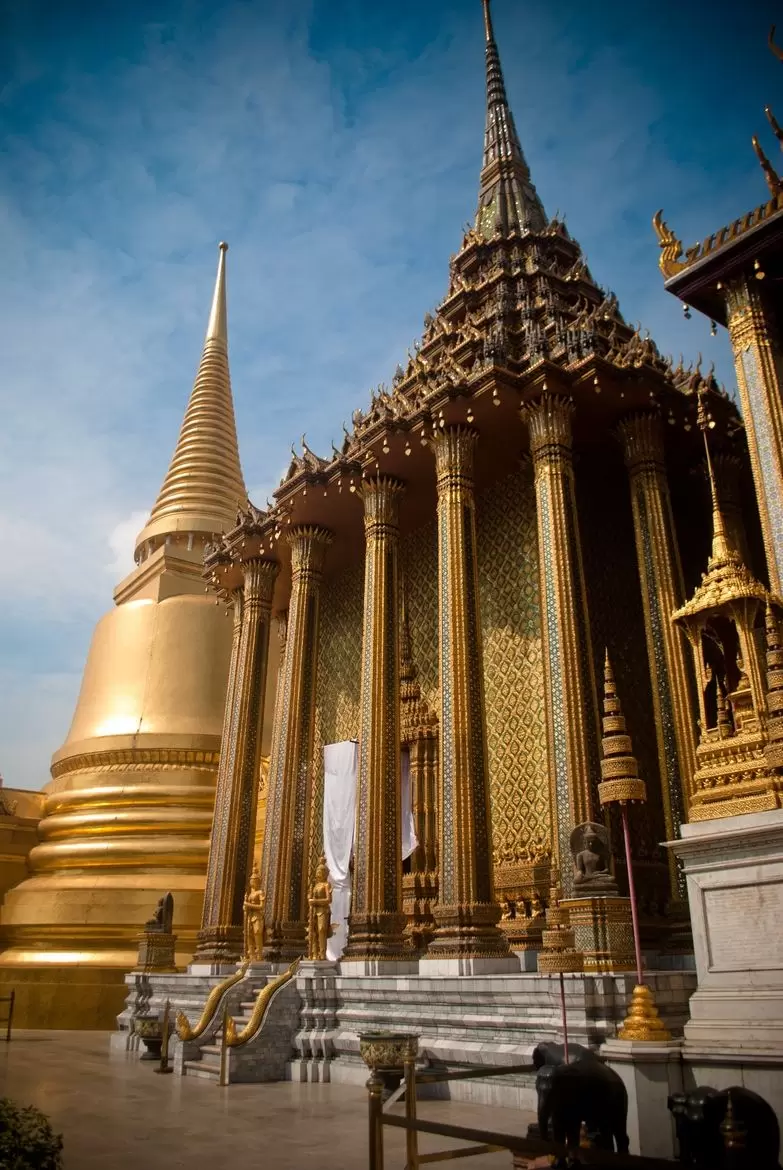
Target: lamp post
(620,784)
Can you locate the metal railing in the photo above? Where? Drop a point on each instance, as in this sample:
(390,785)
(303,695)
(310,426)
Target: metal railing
(485,1141)
(10,1000)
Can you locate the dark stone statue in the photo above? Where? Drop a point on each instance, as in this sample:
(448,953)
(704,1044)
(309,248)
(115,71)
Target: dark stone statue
(163,919)
(583,1091)
(590,853)
(697,1120)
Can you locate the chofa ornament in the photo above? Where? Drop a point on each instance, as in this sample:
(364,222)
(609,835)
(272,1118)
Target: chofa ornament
(385,1050)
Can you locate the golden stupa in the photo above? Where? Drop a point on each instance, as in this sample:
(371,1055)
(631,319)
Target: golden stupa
(128,809)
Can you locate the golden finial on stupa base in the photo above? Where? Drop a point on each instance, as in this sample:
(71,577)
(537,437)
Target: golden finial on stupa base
(643,1021)
(619,770)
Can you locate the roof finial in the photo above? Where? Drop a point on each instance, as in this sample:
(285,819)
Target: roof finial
(488,21)
(507,198)
(217,328)
(721,549)
(204,485)
(619,769)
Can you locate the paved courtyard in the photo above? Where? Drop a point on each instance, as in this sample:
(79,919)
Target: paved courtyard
(117,1113)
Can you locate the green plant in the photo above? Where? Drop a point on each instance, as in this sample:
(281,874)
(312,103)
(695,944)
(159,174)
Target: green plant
(27,1140)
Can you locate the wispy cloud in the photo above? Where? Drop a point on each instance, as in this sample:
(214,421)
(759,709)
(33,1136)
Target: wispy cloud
(336,146)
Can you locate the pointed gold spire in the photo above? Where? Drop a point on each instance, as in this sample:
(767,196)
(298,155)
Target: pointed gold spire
(507,198)
(488,21)
(619,769)
(217,327)
(721,549)
(204,486)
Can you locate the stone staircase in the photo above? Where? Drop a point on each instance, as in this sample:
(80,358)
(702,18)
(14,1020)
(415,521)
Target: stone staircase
(265,1055)
(207,1063)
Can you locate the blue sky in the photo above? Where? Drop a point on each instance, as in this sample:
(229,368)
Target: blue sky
(336,145)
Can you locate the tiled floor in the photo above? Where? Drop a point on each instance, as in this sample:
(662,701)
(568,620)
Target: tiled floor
(116,1113)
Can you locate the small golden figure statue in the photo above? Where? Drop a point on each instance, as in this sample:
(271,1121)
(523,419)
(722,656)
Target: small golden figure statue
(536,907)
(320,901)
(254,906)
(508,911)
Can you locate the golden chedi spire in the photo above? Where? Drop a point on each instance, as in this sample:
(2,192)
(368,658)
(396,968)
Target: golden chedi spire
(128,809)
(619,769)
(507,198)
(204,486)
(727,578)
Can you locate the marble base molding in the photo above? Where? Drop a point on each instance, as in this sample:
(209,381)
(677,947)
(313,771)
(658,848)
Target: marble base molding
(734,873)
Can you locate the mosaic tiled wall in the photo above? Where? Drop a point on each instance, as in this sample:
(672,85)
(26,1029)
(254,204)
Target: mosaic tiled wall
(419,564)
(338,680)
(513,666)
(617,622)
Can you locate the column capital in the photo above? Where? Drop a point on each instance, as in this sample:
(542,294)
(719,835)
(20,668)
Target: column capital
(308,544)
(454,447)
(549,422)
(260,577)
(641,437)
(381,495)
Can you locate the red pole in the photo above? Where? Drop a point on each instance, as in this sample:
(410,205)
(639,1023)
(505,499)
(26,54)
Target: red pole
(565,1017)
(632,893)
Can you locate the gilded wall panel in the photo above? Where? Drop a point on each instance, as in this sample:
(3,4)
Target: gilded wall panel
(617,623)
(338,681)
(419,563)
(513,670)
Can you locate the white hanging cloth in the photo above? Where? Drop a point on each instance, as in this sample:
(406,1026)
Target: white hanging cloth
(409,841)
(341,762)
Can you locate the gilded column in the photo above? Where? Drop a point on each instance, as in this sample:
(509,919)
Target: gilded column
(288,870)
(220,939)
(466,914)
(755,342)
(272,825)
(663,592)
(376,921)
(220,814)
(569,676)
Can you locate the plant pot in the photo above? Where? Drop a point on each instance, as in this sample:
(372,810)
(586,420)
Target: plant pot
(150,1032)
(385,1054)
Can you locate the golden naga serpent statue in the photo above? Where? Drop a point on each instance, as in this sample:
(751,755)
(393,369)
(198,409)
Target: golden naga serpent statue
(234,1038)
(184,1030)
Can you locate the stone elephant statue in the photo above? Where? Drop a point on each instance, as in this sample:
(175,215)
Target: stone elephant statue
(697,1120)
(583,1091)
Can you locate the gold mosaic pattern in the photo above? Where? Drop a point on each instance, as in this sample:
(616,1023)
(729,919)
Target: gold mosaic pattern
(419,566)
(338,682)
(513,667)
(617,623)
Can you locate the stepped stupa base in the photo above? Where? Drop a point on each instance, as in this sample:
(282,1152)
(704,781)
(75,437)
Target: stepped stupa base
(464,1020)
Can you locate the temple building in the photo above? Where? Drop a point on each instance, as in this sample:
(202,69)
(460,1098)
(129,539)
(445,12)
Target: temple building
(127,814)
(515,503)
(519,632)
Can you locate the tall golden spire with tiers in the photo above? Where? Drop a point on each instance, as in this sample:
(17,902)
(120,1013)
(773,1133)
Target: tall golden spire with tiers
(507,198)
(128,809)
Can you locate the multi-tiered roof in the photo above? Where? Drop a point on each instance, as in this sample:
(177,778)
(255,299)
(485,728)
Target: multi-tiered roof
(522,316)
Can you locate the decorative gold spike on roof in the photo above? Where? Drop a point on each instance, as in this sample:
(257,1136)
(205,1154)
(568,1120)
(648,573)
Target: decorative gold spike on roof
(508,201)
(204,486)
(619,769)
(773,47)
(777,129)
(770,174)
(671,248)
(727,578)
